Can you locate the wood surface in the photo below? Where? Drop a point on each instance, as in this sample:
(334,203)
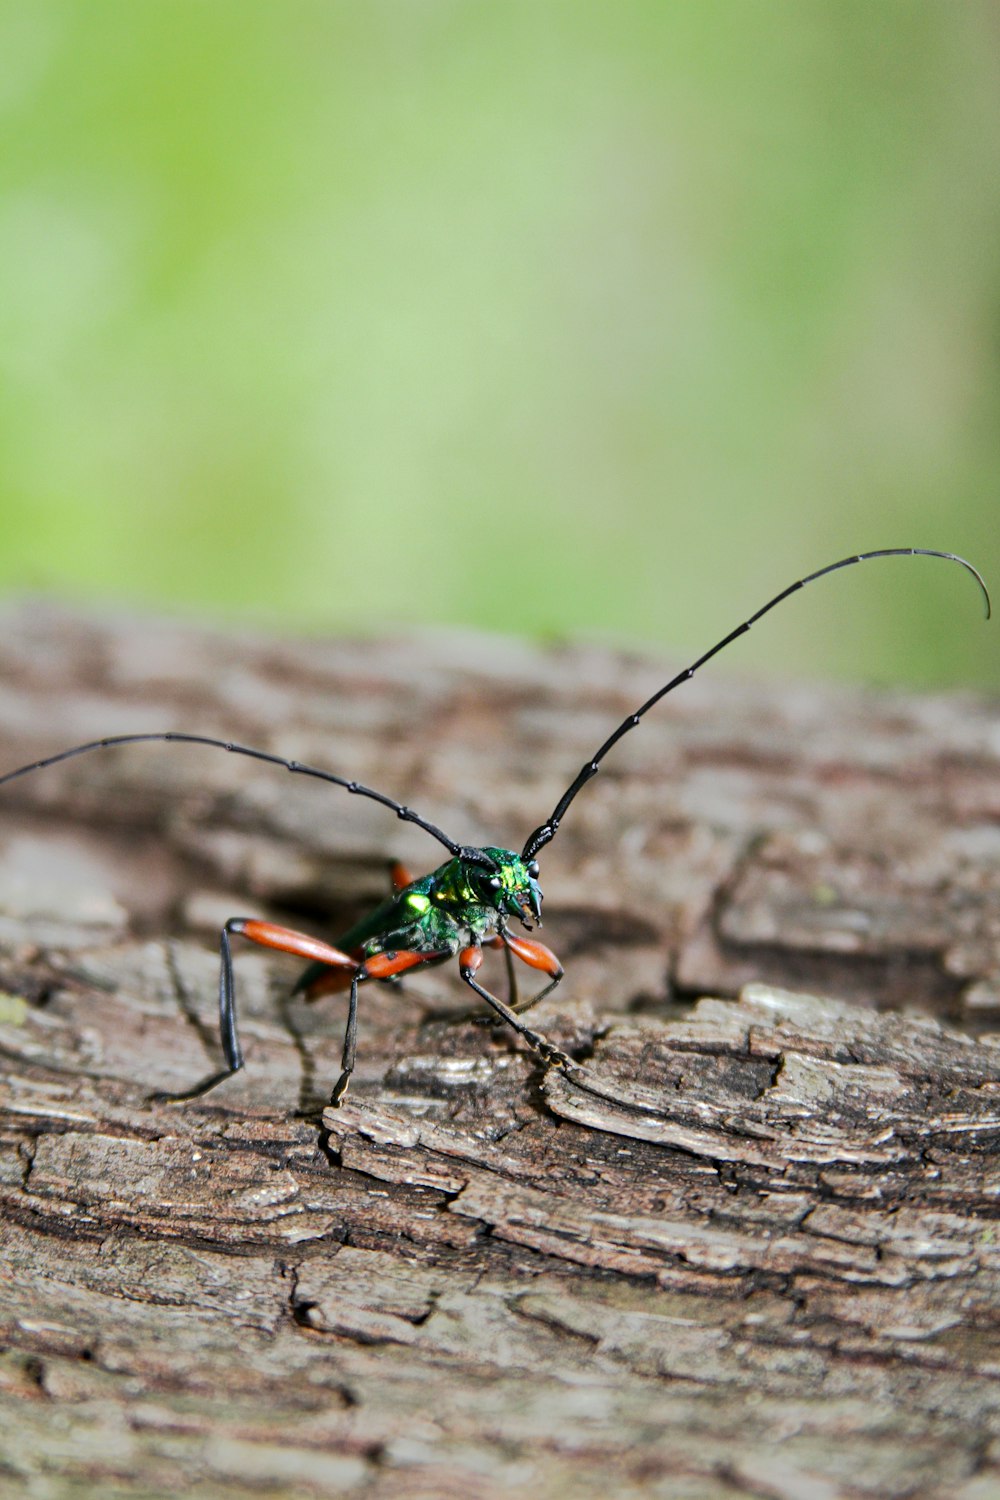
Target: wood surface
(760,1257)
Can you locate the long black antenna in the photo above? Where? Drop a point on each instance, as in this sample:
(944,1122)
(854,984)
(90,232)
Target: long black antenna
(546,831)
(406,813)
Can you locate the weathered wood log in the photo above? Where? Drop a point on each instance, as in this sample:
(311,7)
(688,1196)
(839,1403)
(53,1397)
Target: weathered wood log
(761,1259)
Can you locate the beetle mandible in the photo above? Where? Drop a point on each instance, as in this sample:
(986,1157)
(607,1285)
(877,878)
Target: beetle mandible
(462,907)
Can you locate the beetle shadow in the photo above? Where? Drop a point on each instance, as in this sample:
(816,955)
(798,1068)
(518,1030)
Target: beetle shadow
(311,1101)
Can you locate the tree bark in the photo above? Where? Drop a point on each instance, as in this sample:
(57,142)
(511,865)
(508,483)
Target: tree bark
(753,1251)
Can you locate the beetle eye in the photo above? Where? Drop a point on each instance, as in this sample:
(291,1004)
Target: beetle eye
(533,868)
(495,882)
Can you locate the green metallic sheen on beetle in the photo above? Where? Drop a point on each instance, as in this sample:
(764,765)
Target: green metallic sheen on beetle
(458,904)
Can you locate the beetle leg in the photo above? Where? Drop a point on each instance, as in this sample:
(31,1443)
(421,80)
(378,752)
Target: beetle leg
(350,1046)
(469,961)
(536,956)
(379,966)
(326,981)
(268,935)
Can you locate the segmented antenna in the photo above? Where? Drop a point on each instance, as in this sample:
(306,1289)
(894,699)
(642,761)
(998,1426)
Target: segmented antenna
(546,831)
(406,813)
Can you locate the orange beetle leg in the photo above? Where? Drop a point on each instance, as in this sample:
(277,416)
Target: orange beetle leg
(535,954)
(268,935)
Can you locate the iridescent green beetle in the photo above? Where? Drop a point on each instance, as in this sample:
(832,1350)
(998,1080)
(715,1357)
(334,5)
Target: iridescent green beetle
(462,907)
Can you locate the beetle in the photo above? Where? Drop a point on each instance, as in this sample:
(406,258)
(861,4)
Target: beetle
(460,908)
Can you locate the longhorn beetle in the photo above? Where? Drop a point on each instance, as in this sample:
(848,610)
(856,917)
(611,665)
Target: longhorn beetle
(464,905)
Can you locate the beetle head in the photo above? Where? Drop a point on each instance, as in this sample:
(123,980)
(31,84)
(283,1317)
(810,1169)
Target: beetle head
(503,880)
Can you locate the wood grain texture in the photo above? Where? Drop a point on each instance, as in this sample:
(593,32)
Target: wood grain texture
(766,1263)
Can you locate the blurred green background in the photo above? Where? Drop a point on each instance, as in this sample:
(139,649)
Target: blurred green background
(543,317)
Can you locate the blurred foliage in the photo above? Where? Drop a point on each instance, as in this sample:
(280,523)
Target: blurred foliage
(539,315)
